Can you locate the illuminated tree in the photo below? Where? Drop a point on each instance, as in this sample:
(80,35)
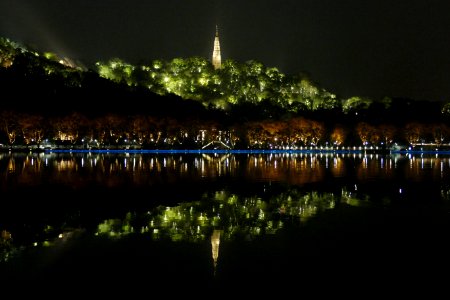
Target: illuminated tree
(305,131)
(9,124)
(446,109)
(138,128)
(328,101)
(274,132)
(241,81)
(374,137)
(150,129)
(445,131)
(275,77)
(440,132)
(7,53)
(309,93)
(413,132)
(317,131)
(68,128)
(110,128)
(255,134)
(338,135)
(116,70)
(141,76)
(365,132)
(387,133)
(32,128)
(171,133)
(231,77)
(355,104)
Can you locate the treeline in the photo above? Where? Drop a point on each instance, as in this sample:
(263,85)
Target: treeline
(152,132)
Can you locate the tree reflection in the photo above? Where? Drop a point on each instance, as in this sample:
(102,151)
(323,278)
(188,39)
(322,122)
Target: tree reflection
(7,248)
(234,215)
(302,181)
(227,216)
(217,216)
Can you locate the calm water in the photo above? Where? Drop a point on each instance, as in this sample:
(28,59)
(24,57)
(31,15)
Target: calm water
(251,221)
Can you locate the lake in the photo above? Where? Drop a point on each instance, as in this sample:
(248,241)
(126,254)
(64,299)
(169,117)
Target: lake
(287,222)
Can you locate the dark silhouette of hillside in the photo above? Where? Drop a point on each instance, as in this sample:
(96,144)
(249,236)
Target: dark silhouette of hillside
(36,85)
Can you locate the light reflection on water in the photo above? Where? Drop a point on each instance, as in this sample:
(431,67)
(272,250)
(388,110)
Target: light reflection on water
(253,196)
(80,169)
(230,214)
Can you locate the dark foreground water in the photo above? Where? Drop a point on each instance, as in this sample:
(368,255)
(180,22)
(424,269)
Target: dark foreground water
(258,223)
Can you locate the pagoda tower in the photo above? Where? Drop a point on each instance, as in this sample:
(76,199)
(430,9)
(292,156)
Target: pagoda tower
(216,58)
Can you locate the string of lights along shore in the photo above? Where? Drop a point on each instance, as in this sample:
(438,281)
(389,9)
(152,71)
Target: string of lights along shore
(216,57)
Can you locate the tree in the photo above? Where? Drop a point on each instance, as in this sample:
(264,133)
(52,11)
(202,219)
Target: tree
(116,70)
(366,132)
(9,124)
(317,131)
(300,131)
(338,135)
(68,128)
(138,128)
(387,133)
(7,53)
(440,133)
(274,132)
(110,128)
(32,128)
(413,132)
(355,104)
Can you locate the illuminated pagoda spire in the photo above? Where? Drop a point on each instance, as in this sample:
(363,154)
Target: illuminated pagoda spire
(216,58)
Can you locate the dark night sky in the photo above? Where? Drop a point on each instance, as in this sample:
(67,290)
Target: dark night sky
(373,48)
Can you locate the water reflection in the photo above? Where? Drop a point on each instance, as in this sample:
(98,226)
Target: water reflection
(291,189)
(105,169)
(218,216)
(225,216)
(232,214)
(7,249)
(221,215)
(215,243)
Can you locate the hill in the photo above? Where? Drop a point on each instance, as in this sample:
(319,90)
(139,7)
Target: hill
(43,83)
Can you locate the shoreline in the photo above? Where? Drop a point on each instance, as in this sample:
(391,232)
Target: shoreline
(228,151)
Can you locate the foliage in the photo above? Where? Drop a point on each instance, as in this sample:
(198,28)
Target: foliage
(235,83)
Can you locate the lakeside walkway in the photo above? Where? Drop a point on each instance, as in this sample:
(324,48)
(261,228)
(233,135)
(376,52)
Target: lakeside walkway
(248,151)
